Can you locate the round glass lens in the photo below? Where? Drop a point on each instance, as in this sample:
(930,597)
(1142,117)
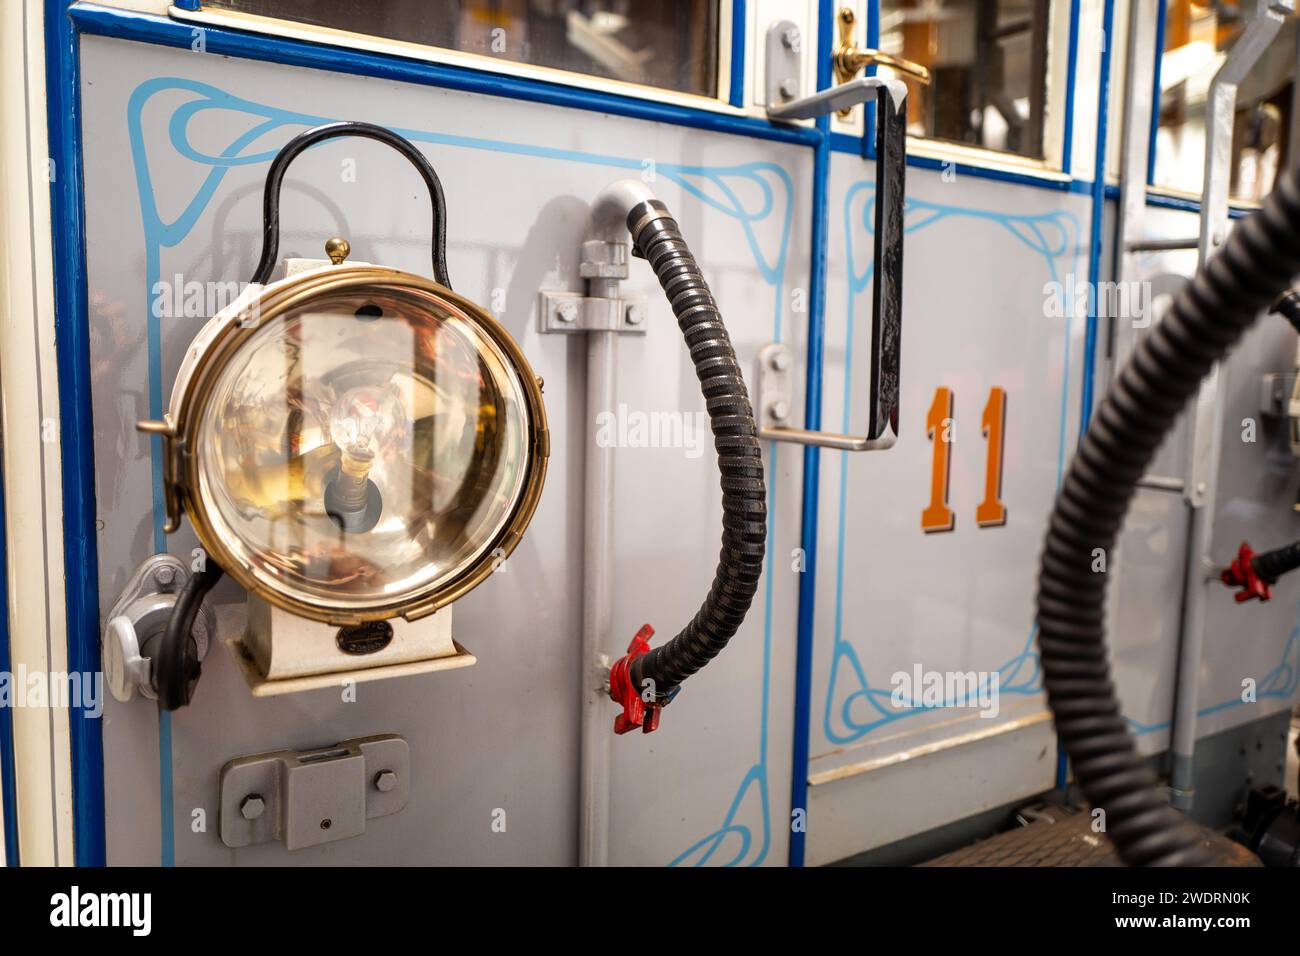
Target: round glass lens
(363,448)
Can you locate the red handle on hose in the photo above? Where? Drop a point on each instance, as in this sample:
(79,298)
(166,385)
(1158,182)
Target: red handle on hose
(636,711)
(1241,574)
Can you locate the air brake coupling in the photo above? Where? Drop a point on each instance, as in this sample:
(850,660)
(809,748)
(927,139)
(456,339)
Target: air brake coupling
(637,712)
(1256,574)
(1242,574)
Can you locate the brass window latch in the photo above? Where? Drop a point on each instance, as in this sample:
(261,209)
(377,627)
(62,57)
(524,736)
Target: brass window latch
(848,59)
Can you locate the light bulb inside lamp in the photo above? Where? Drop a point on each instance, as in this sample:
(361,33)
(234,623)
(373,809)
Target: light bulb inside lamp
(365,423)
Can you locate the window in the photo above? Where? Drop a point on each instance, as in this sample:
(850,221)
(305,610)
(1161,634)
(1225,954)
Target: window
(988,68)
(670,44)
(1197,37)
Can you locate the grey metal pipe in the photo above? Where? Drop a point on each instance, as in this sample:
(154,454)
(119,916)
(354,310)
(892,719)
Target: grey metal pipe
(1163,245)
(1190,647)
(597,607)
(608,223)
(1160,483)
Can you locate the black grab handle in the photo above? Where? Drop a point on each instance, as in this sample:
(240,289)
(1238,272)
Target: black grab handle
(887,268)
(275,176)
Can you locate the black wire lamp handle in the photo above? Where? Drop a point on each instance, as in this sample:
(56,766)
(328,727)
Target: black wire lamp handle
(318,134)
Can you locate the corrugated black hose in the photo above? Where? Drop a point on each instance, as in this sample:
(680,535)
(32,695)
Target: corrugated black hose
(1258,261)
(1271,565)
(655,237)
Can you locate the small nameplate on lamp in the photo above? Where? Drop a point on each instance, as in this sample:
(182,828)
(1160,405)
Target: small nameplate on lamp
(368,638)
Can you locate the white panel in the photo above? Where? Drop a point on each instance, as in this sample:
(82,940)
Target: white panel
(519,180)
(929,789)
(980,259)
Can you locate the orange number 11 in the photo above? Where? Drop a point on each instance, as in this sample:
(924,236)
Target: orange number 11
(938,426)
(990,512)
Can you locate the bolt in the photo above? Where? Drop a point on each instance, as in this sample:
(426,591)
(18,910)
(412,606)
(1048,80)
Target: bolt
(789,89)
(567,311)
(779,410)
(780,360)
(385,781)
(164,574)
(792,40)
(252,807)
(633,315)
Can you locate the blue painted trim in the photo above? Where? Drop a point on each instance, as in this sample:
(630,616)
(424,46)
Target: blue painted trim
(808,534)
(844,143)
(126,25)
(1098,209)
(1155,91)
(738,41)
(76,429)
(8,798)
(867,141)
(1071,75)
(1187,204)
(1280,683)
(812,454)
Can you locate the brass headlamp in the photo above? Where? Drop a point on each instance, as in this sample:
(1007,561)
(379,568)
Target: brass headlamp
(355,443)
(351,443)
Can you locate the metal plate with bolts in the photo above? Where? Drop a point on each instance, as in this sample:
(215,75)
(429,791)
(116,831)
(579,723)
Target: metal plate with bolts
(306,798)
(773,404)
(784,63)
(575,312)
(774,391)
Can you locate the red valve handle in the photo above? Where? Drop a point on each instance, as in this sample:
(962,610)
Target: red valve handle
(636,711)
(1241,574)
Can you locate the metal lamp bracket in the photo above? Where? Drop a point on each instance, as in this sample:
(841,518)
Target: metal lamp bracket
(575,312)
(137,620)
(601,308)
